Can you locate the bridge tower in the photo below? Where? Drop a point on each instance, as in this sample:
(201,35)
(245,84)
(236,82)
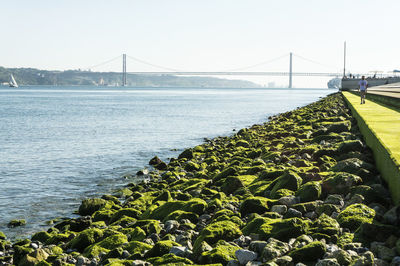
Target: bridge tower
(124,70)
(290,71)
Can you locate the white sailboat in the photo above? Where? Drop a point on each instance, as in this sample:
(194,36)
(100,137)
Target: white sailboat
(12,82)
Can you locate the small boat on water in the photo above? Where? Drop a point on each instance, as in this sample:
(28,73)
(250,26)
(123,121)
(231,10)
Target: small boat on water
(12,83)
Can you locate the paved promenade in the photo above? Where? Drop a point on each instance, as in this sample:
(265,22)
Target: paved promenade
(390,90)
(380,126)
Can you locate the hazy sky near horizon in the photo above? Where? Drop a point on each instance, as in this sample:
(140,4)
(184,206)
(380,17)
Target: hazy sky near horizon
(206,35)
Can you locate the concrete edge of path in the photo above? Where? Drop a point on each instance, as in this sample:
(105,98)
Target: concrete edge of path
(387,165)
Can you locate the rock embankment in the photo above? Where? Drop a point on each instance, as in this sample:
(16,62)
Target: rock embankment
(300,189)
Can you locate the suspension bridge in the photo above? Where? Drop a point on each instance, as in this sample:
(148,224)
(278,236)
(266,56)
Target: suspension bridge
(232,72)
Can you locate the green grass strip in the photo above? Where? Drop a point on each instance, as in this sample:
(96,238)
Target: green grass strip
(380,126)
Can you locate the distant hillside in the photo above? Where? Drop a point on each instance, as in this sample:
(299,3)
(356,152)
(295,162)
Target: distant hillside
(32,76)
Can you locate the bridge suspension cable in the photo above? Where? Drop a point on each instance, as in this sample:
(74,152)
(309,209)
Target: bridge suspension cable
(150,64)
(313,61)
(105,62)
(258,64)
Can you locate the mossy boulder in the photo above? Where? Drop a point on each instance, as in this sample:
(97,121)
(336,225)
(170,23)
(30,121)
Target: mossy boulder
(281,229)
(339,183)
(160,248)
(137,248)
(103,215)
(223,252)
(350,146)
(344,239)
(309,191)
(134,234)
(375,231)
(289,180)
(178,215)
(222,230)
(254,205)
(192,166)
(41,236)
(105,245)
(232,183)
(170,259)
(89,206)
(86,238)
(308,253)
(2,235)
(194,205)
(273,249)
(229,171)
(355,215)
(353,166)
(129,212)
(149,226)
(325,225)
(16,222)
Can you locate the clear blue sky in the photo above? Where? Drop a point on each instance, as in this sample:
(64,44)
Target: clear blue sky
(210,35)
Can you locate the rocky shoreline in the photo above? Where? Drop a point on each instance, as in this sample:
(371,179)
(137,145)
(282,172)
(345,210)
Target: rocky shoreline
(301,189)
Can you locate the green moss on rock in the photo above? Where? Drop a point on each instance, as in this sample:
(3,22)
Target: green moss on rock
(160,248)
(170,259)
(86,238)
(222,230)
(195,205)
(89,206)
(105,245)
(149,226)
(178,215)
(339,183)
(309,191)
(308,253)
(355,215)
(281,229)
(222,253)
(289,180)
(137,248)
(254,205)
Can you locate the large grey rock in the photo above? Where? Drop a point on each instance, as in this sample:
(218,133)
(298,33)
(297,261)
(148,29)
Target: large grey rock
(257,246)
(171,225)
(335,199)
(392,216)
(291,213)
(179,251)
(281,209)
(245,255)
(289,200)
(395,261)
(327,262)
(274,249)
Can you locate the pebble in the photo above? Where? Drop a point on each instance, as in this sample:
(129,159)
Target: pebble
(244,255)
(34,245)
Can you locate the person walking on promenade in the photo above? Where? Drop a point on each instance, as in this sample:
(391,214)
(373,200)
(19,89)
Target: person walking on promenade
(362,87)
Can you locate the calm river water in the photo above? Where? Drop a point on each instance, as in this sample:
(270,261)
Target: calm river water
(59,145)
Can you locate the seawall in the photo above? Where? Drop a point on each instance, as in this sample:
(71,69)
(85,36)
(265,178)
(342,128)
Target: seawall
(379,122)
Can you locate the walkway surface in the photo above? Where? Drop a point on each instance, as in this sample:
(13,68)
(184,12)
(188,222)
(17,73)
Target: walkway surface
(384,121)
(380,125)
(390,90)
